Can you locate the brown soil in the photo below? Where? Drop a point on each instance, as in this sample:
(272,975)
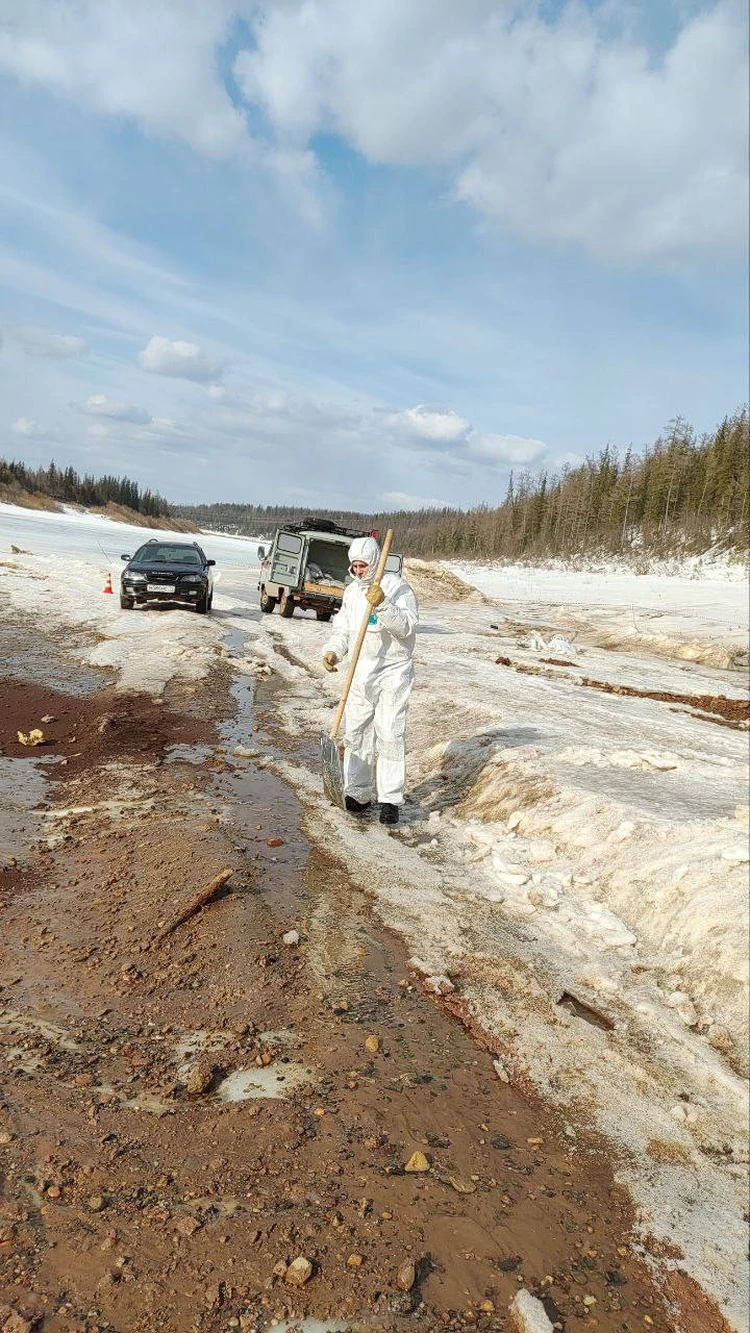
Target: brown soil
(713,707)
(134,1198)
(165,523)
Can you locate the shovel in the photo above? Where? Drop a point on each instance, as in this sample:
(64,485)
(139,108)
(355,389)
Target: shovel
(333,776)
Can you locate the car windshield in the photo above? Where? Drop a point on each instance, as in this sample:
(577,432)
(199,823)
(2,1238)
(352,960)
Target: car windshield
(154,553)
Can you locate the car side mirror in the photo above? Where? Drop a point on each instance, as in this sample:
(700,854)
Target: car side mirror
(210,562)
(124,557)
(261,552)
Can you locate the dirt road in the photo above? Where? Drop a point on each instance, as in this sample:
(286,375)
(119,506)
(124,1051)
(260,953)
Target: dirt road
(183,1118)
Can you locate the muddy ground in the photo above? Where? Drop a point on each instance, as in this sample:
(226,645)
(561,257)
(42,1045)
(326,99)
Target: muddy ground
(181,1118)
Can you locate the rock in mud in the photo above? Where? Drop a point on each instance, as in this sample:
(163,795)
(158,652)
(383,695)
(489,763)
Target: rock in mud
(299,1272)
(14,1322)
(372,1044)
(291,939)
(407,1275)
(417,1162)
(200,1079)
(528,1315)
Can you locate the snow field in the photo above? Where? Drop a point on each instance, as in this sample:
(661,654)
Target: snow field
(699,614)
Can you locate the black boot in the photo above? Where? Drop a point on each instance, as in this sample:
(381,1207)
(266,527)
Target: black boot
(388,813)
(356,807)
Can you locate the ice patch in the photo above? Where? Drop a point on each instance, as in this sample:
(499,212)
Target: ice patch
(275,1081)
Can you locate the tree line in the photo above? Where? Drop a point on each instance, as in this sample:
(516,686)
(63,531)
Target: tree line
(69,487)
(681,494)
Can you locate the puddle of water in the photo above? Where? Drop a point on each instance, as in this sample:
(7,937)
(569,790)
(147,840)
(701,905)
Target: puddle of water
(280,1037)
(188,754)
(23,1061)
(275,1081)
(16,1022)
(235,639)
(141,1102)
(193,1043)
(150,1104)
(315,1326)
(27,655)
(22,791)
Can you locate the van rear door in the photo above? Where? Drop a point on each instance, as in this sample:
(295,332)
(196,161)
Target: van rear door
(287,560)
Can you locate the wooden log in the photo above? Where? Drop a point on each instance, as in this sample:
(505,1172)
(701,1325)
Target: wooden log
(197,903)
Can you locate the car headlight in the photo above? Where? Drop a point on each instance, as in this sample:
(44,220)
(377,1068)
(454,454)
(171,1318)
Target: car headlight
(191,578)
(134,578)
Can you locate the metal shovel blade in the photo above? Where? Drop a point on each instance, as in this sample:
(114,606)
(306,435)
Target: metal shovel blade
(333,777)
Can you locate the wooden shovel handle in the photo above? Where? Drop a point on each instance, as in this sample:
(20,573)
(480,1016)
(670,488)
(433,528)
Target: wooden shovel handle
(354,656)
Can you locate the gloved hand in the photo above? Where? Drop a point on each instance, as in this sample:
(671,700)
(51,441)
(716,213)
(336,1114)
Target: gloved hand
(329,661)
(375,595)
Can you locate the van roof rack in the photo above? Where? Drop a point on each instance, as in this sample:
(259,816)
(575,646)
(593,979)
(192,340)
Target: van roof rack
(323,525)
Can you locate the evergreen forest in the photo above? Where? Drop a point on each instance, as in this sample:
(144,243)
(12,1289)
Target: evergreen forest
(681,495)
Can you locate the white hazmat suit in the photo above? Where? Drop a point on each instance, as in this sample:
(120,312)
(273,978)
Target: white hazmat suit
(375,716)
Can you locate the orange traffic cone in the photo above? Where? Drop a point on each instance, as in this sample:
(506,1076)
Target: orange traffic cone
(108,585)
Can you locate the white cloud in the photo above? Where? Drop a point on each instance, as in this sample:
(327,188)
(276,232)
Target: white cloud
(505,448)
(432,425)
(400,500)
(452,436)
(55,346)
(30,430)
(549,119)
(98,405)
(152,63)
(178,360)
(564,131)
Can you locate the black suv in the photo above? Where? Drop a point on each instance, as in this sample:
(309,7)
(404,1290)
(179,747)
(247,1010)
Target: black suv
(168,572)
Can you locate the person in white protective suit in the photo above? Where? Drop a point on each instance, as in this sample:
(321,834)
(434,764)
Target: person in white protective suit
(375,716)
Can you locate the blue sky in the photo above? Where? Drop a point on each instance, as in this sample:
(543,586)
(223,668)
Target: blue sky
(366,255)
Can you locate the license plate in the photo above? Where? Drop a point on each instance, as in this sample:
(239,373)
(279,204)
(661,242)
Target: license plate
(160,587)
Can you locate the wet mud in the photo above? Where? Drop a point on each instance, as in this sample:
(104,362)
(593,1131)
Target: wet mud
(183,1116)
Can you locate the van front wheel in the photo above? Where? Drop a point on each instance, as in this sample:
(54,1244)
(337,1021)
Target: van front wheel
(267,603)
(323,615)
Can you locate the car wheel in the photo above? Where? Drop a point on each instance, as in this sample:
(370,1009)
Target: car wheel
(286,605)
(201,606)
(267,603)
(126,603)
(323,615)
